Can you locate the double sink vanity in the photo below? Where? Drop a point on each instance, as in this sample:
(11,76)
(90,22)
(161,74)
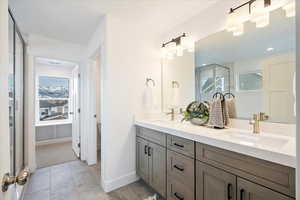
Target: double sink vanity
(182,161)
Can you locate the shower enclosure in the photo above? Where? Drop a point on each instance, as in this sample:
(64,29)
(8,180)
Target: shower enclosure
(210,79)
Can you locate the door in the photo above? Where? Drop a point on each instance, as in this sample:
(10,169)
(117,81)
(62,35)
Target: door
(278,88)
(157,168)
(11,117)
(76,113)
(214,184)
(142,159)
(251,191)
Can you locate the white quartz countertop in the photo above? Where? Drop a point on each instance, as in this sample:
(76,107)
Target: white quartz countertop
(267,146)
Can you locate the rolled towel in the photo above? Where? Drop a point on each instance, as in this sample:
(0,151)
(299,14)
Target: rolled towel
(231,107)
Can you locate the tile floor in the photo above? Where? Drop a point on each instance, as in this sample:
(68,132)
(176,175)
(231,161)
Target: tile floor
(46,155)
(77,181)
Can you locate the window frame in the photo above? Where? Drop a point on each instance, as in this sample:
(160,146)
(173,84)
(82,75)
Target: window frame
(248,72)
(37,100)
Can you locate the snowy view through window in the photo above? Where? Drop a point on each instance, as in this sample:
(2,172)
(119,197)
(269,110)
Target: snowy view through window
(53,93)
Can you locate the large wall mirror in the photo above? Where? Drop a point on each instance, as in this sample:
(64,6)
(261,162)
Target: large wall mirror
(258,67)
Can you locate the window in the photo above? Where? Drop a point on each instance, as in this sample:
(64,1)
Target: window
(250,81)
(53,100)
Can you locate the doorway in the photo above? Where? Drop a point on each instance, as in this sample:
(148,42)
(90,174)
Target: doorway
(56,114)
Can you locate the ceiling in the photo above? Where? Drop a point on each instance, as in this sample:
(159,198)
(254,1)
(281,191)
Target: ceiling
(76,20)
(59,64)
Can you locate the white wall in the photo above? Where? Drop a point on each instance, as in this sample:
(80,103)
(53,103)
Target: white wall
(132,56)
(128,56)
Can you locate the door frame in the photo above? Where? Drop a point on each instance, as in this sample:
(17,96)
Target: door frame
(76,111)
(87,120)
(30,101)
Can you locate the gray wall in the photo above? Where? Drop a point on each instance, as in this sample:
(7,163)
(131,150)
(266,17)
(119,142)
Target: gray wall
(53,132)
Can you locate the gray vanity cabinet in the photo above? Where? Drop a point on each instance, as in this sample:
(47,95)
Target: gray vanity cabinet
(142,159)
(182,169)
(214,184)
(251,191)
(157,168)
(151,160)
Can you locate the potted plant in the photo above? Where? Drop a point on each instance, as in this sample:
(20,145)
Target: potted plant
(197,113)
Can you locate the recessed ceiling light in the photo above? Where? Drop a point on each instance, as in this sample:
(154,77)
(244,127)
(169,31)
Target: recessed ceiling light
(203,64)
(270,49)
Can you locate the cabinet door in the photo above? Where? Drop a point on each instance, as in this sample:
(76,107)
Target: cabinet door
(142,159)
(157,168)
(251,191)
(214,184)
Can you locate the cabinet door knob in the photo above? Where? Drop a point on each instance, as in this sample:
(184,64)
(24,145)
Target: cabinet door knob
(229,189)
(242,191)
(179,145)
(149,151)
(145,150)
(179,168)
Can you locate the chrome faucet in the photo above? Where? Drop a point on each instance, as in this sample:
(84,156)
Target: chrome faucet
(255,121)
(172,113)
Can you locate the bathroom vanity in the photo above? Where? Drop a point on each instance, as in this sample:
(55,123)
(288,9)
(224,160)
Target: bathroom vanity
(186,162)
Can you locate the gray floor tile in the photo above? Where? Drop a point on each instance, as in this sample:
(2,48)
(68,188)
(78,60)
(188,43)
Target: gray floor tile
(69,193)
(39,181)
(40,195)
(77,181)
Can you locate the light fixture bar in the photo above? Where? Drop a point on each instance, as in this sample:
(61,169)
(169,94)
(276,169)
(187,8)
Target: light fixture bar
(177,40)
(267,3)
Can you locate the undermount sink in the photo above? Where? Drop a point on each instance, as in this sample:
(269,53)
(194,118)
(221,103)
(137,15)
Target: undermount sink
(252,140)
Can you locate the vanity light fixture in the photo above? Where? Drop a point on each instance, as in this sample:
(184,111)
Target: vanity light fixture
(257,11)
(176,46)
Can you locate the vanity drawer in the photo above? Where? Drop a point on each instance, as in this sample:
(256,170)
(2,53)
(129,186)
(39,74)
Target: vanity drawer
(152,135)
(179,191)
(181,168)
(274,176)
(181,145)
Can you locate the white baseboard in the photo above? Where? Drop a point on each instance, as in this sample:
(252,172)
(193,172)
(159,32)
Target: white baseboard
(54,141)
(109,186)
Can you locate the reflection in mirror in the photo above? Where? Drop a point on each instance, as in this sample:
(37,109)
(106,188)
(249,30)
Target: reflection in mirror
(210,79)
(179,81)
(258,67)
